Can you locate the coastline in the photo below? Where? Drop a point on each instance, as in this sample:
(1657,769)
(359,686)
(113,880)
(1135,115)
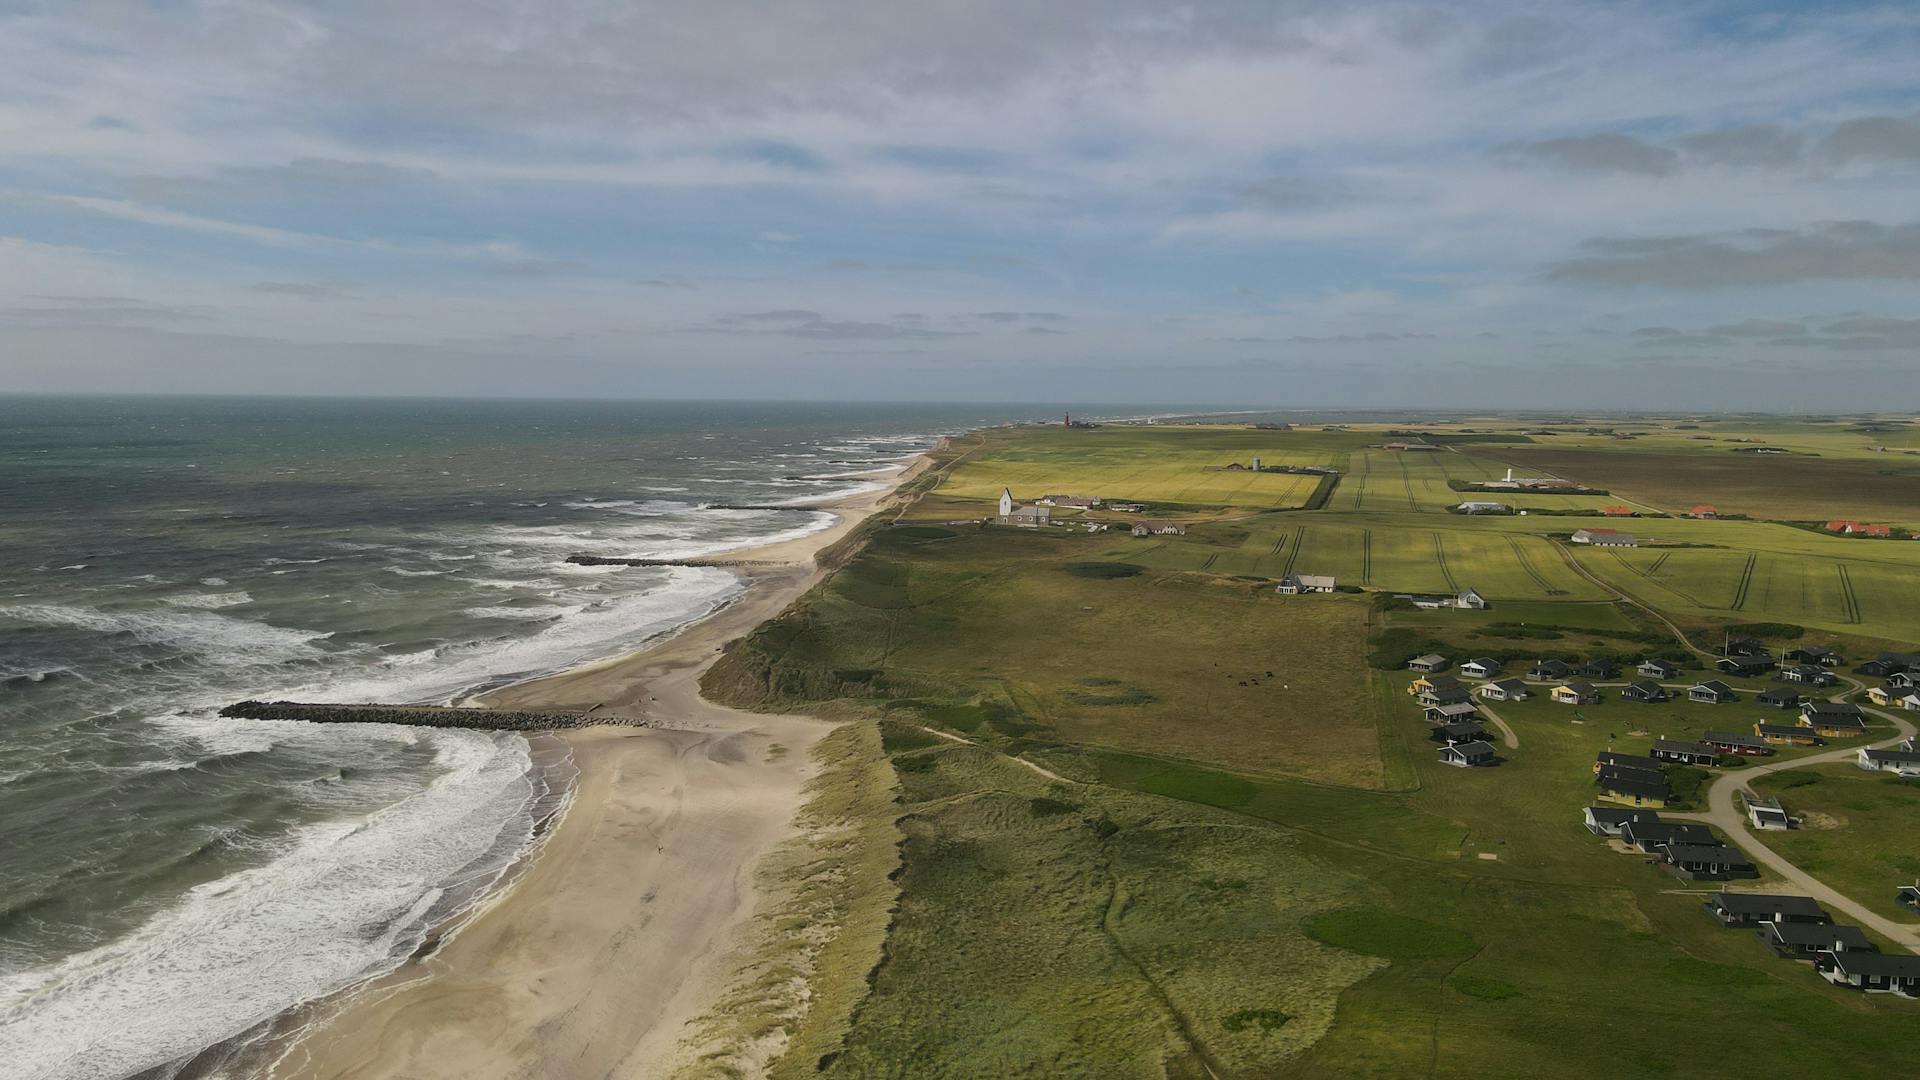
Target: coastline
(611,937)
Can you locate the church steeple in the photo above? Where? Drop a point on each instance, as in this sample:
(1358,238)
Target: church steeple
(1006,501)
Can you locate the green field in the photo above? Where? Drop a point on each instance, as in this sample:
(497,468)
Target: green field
(1253,862)
(1858,834)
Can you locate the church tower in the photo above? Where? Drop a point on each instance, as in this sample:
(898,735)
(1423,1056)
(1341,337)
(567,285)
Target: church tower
(1006,502)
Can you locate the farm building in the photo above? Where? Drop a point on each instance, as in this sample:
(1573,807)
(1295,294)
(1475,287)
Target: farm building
(1711,692)
(1768,815)
(1708,862)
(1159,528)
(1297,584)
(1604,538)
(1551,669)
(1506,690)
(1655,668)
(1787,735)
(1645,690)
(1609,820)
(1410,446)
(1733,742)
(1875,973)
(1902,762)
(1687,753)
(1478,506)
(1481,667)
(1617,511)
(1778,698)
(1753,909)
(1703,511)
(1071,502)
(1805,941)
(1471,600)
(1431,662)
(1575,693)
(1467,755)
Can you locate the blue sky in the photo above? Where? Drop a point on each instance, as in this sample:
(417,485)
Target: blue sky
(1615,205)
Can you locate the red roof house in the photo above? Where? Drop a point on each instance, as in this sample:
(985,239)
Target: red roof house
(1617,511)
(1703,511)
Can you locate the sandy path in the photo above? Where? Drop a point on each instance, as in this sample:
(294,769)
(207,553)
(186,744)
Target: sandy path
(615,938)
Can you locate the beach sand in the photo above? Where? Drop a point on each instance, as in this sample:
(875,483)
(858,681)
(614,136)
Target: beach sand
(595,960)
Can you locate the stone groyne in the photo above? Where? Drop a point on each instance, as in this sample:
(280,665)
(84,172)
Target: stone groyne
(607,560)
(440,716)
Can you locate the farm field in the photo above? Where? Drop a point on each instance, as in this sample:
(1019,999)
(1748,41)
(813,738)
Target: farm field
(1859,830)
(1880,487)
(1181,466)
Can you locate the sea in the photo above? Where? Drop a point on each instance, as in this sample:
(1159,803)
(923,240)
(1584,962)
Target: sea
(172,881)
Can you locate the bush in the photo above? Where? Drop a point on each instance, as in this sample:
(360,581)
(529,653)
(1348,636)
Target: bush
(1263,1019)
(1780,630)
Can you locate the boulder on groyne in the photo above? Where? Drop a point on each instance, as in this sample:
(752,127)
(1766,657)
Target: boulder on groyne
(440,716)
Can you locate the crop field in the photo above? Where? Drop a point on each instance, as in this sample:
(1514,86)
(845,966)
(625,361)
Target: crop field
(1858,832)
(1849,596)
(1182,466)
(1884,488)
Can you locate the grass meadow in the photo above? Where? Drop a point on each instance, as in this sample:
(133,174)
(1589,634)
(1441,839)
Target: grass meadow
(1859,830)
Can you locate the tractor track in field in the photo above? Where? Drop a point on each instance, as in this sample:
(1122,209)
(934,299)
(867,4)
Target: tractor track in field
(1293,556)
(1366,556)
(1847,595)
(1406,482)
(1526,563)
(1440,554)
(1654,567)
(1746,583)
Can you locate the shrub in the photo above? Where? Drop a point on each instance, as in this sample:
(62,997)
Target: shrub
(1262,1019)
(1104,571)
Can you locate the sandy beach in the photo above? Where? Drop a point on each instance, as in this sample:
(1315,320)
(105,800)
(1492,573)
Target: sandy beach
(595,960)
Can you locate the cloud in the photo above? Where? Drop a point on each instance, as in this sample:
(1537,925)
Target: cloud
(1754,145)
(305,290)
(1841,251)
(1759,328)
(782,315)
(1608,152)
(1874,138)
(1045,330)
(1017,316)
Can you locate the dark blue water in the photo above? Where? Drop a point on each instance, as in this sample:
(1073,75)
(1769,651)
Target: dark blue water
(172,878)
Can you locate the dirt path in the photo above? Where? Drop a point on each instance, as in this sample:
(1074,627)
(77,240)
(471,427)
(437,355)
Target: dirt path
(1506,733)
(1048,773)
(1723,812)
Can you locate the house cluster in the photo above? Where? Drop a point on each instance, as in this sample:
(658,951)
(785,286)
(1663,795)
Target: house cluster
(1688,851)
(1300,584)
(1604,538)
(1481,506)
(1798,928)
(1071,502)
(1899,691)
(1159,528)
(1630,779)
(1449,707)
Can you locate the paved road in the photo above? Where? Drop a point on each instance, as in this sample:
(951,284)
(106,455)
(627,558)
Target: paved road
(1722,812)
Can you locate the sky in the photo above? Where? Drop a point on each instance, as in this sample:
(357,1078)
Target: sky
(1664,205)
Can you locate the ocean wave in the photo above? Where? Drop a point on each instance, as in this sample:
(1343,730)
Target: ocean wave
(339,901)
(209,601)
(404,572)
(217,639)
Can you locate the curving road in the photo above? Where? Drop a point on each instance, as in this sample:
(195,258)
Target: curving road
(1723,812)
